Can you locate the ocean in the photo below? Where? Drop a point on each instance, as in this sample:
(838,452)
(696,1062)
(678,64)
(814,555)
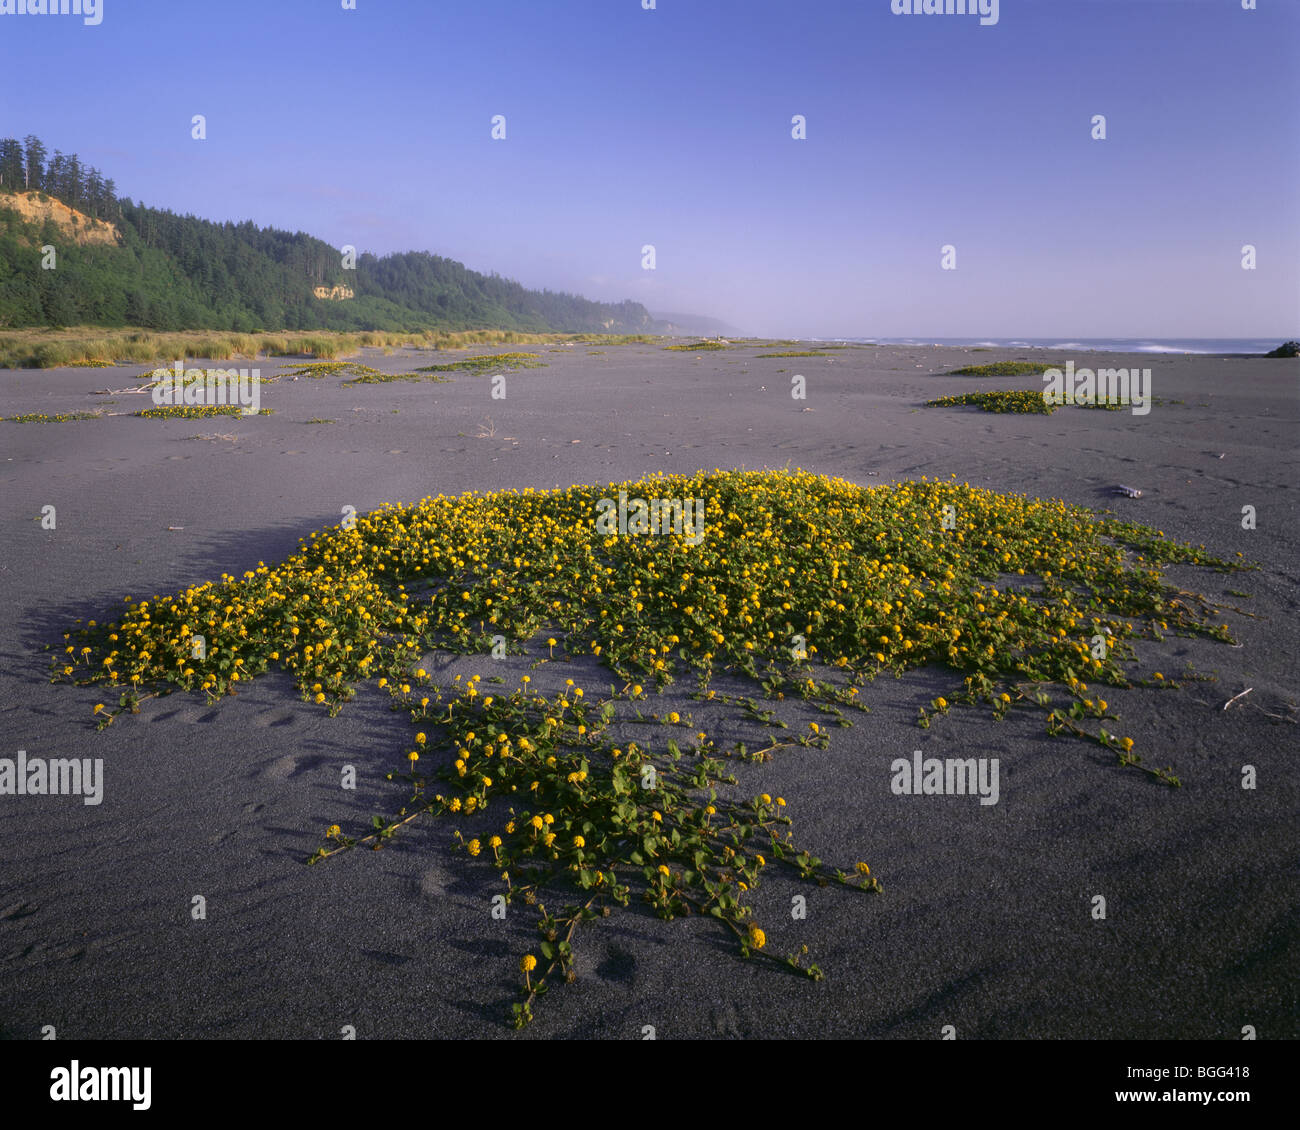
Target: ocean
(1226,346)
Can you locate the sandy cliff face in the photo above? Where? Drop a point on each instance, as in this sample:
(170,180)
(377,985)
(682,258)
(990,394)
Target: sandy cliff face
(333,293)
(80,228)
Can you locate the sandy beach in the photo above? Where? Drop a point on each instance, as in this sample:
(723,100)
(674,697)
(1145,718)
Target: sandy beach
(985,922)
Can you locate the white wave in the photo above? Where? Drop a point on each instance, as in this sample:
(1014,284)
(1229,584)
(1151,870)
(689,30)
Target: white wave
(1166,349)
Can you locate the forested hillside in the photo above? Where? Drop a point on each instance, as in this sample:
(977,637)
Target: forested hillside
(171,272)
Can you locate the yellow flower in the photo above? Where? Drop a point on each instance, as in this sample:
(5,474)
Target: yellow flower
(674,717)
(494,842)
(548,839)
(863,869)
(527,963)
(757,938)
(536,822)
(765,799)
(333,831)
(487,782)
(473,847)
(761,861)
(663,870)
(419,738)
(780,802)
(412,756)
(656,817)
(1126,743)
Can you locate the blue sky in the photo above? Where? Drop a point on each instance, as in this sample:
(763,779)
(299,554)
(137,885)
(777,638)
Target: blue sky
(672,127)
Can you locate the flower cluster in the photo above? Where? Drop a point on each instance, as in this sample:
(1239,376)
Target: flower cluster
(794,569)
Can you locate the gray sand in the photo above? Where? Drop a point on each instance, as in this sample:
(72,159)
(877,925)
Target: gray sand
(985,921)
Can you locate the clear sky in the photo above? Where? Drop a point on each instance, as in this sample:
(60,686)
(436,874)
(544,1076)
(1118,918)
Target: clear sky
(672,127)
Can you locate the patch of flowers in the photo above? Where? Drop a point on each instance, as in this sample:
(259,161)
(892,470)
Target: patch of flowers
(806,584)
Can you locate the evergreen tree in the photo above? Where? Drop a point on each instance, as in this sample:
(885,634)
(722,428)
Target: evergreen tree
(33,163)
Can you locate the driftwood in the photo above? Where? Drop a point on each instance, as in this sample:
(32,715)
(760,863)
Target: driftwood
(1237,696)
(124,391)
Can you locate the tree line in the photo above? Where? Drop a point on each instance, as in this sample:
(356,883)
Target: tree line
(181,272)
(26,166)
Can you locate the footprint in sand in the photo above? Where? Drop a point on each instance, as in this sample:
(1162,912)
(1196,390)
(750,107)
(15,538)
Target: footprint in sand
(618,965)
(274,718)
(290,766)
(433,883)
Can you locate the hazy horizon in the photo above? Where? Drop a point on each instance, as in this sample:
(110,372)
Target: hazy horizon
(672,127)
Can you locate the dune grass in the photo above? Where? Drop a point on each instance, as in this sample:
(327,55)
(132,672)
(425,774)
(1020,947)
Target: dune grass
(807,586)
(94,345)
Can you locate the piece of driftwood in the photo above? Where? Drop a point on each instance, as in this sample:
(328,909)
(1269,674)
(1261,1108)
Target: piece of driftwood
(1237,696)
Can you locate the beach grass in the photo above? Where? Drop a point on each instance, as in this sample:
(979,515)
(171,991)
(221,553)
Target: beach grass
(87,346)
